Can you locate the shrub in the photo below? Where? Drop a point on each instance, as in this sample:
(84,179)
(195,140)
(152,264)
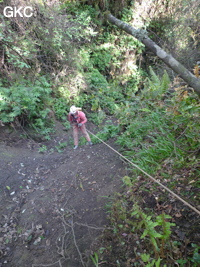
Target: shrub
(27,103)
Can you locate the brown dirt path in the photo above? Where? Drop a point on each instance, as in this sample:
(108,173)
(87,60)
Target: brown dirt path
(53,204)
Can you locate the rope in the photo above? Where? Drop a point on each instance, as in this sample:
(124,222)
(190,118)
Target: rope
(153,179)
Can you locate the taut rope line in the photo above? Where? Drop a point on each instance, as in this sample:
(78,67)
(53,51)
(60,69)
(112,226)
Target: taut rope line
(153,179)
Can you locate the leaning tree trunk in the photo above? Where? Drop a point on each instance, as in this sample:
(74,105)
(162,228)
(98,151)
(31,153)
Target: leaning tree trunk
(141,35)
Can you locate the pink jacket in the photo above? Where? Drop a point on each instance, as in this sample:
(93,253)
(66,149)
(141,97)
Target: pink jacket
(80,118)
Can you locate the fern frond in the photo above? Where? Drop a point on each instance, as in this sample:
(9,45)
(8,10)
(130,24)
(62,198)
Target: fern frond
(155,86)
(165,81)
(154,78)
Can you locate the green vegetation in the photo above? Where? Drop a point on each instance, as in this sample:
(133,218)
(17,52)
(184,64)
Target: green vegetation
(71,55)
(168,127)
(128,220)
(26,103)
(159,133)
(95,259)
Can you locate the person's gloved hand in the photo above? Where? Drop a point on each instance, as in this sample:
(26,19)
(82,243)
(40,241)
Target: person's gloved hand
(80,124)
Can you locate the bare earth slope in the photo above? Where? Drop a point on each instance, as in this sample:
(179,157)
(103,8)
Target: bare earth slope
(53,204)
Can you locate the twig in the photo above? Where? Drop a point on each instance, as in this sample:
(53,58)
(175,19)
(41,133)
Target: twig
(88,226)
(174,149)
(72,227)
(61,252)
(48,265)
(175,145)
(188,151)
(71,224)
(182,133)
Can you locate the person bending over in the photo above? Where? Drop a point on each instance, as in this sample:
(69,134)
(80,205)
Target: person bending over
(78,119)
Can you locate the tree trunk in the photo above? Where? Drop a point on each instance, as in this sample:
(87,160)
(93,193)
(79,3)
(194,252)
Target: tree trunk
(141,35)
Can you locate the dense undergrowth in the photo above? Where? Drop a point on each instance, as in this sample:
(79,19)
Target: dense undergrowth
(76,58)
(161,136)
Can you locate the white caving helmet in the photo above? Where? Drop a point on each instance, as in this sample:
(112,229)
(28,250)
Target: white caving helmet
(73,109)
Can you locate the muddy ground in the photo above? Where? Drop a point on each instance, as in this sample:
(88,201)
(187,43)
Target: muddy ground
(53,204)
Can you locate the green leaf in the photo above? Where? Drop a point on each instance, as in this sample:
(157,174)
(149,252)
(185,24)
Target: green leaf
(145,257)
